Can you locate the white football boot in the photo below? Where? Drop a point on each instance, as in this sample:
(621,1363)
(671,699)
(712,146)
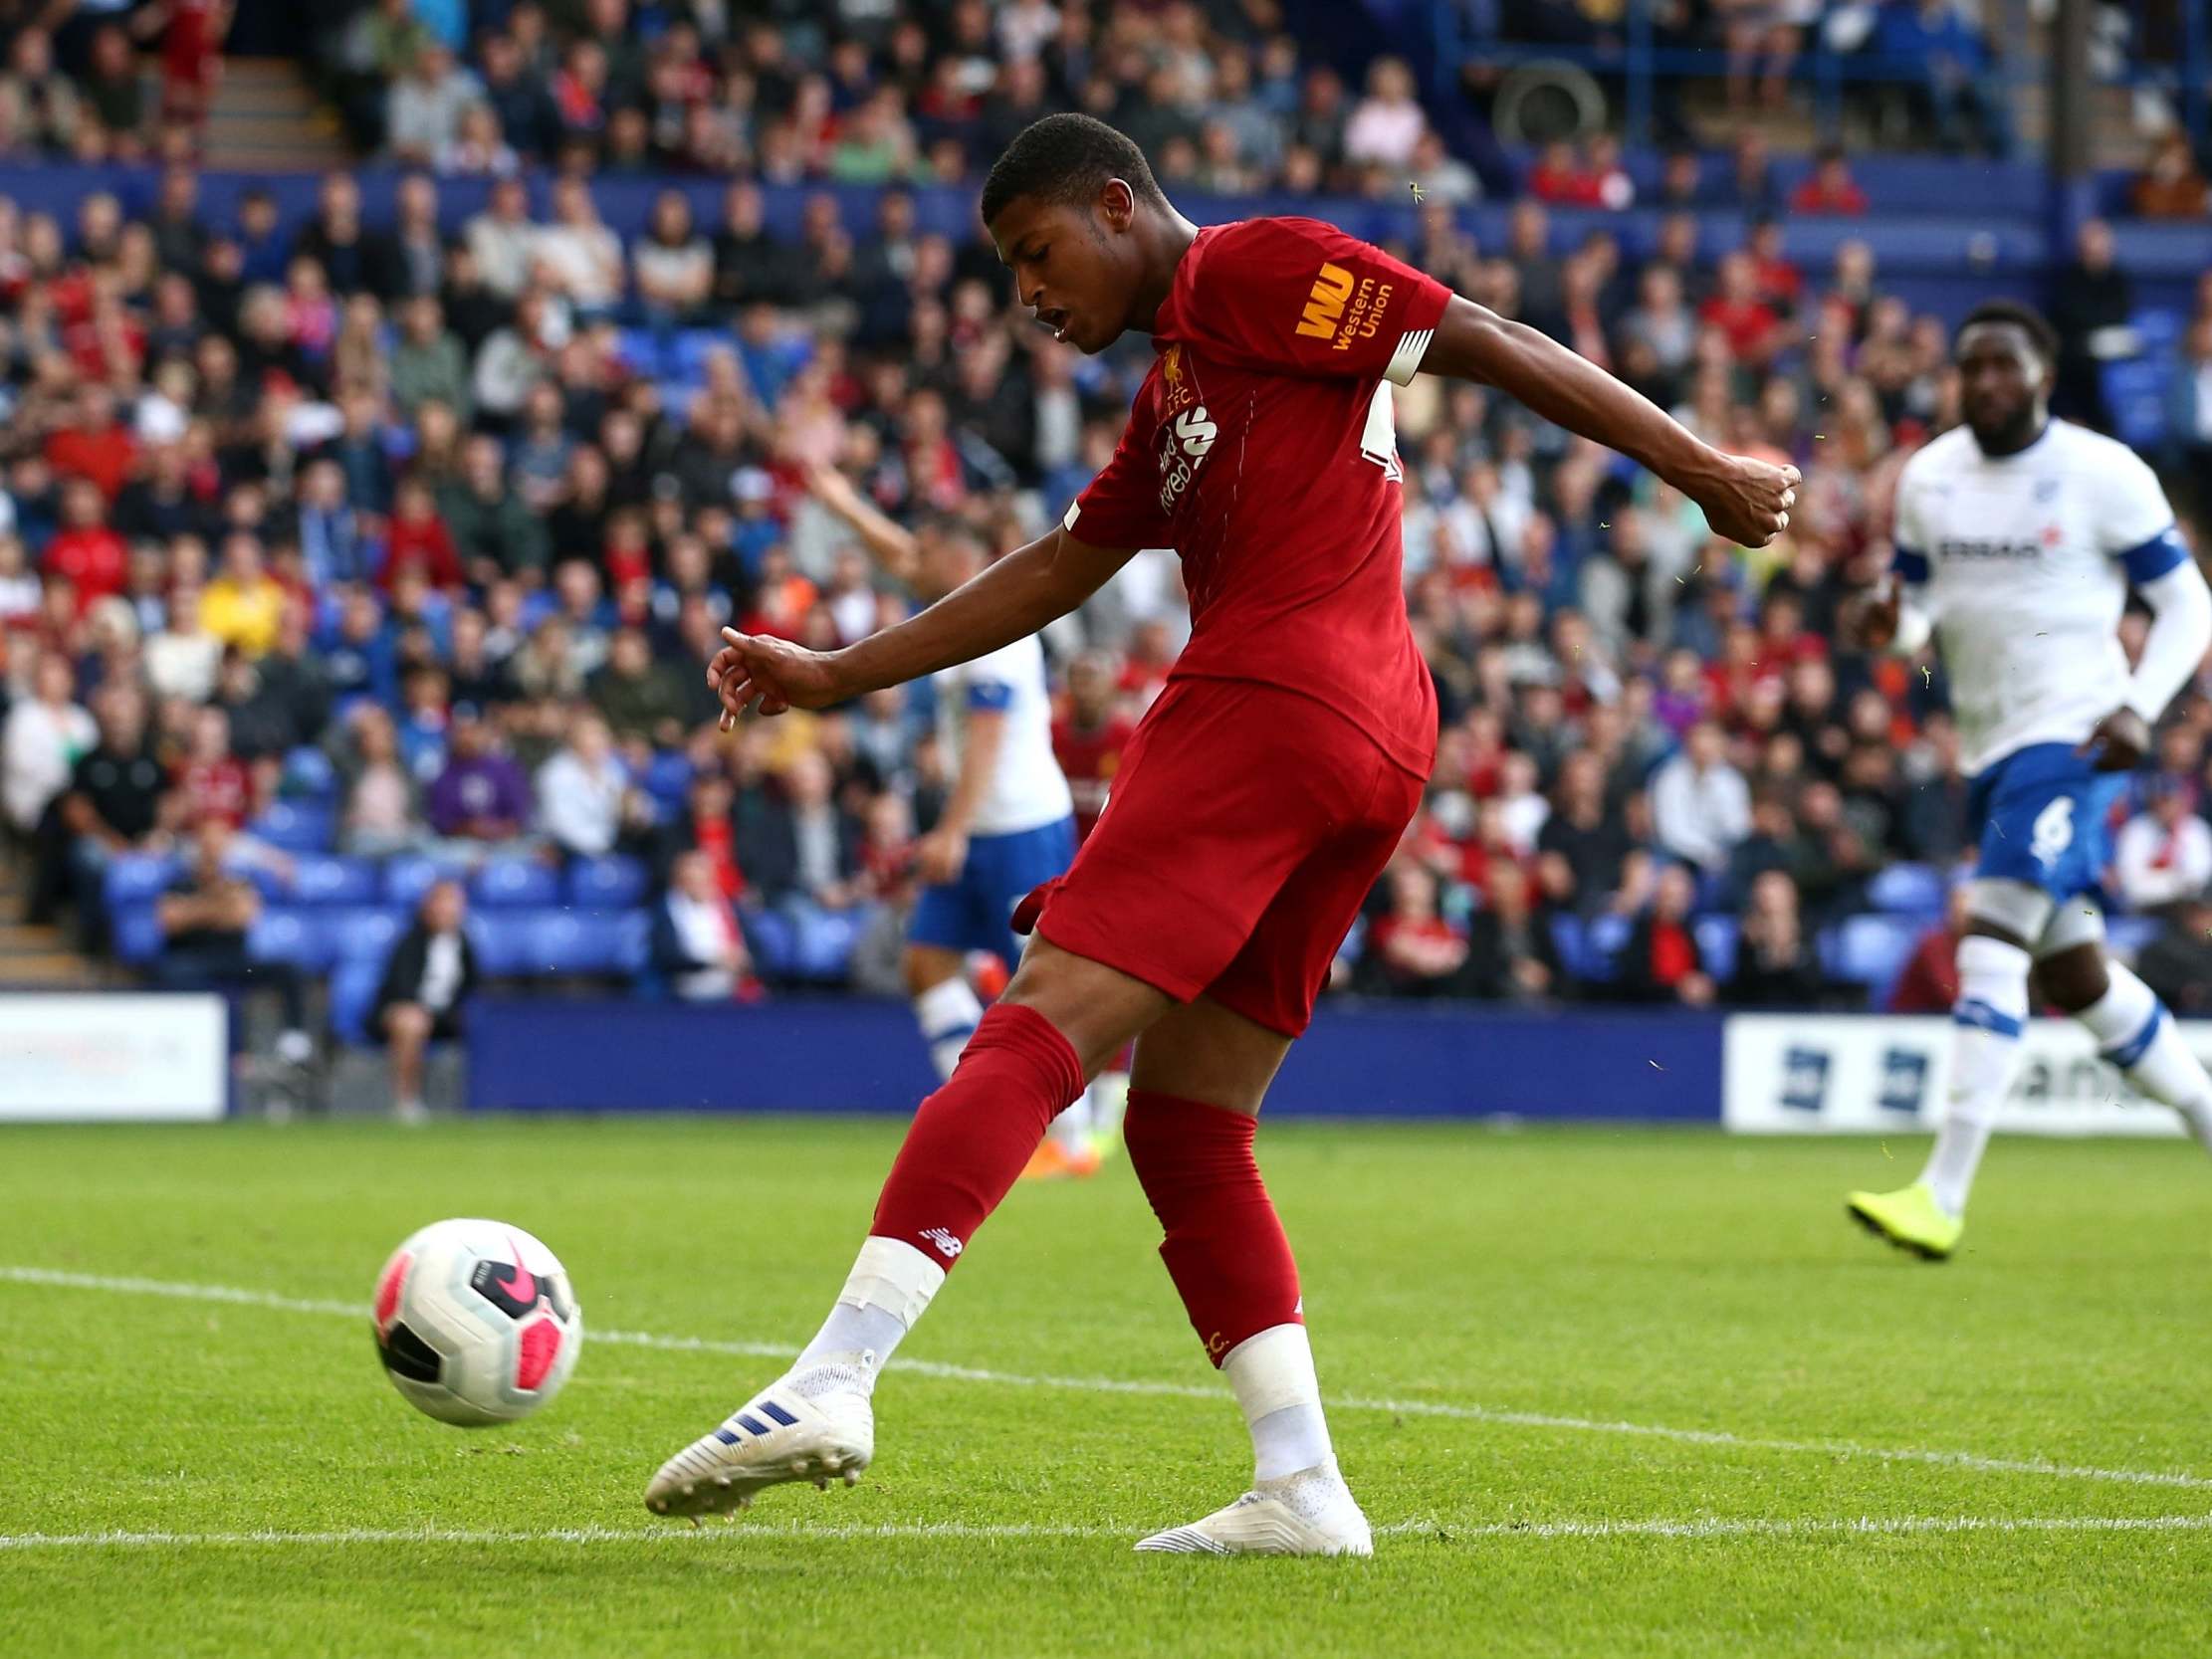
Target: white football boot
(811,1426)
(1311,1513)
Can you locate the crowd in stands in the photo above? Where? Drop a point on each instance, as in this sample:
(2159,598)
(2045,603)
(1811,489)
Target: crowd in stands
(345,558)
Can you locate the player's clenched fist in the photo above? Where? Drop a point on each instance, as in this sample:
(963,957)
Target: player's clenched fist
(773,672)
(1748,500)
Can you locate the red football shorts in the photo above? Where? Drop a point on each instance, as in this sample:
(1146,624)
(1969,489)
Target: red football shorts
(1245,827)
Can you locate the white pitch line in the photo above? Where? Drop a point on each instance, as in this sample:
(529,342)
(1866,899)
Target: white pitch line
(1972,1461)
(1436,1531)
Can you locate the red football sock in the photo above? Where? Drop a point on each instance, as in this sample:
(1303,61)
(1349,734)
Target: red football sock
(971,1139)
(1225,1248)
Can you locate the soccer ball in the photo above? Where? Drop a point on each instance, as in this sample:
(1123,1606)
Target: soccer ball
(475,1323)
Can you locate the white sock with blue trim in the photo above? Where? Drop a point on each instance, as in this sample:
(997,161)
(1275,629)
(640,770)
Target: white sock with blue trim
(1986,1022)
(948,1013)
(2135,1033)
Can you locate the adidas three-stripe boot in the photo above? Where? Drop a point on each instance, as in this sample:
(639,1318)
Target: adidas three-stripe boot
(808,1425)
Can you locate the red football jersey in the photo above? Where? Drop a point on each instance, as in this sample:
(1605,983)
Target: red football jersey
(1262,449)
(1089,757)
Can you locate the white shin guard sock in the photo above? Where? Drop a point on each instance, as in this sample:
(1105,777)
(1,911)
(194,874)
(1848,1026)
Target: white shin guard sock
(889,1288)
(1273,1376)
(948,1013)
(2135,1033)
(1987,1019)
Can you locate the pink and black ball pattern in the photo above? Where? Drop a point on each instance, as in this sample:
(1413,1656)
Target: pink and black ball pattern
(475,1323)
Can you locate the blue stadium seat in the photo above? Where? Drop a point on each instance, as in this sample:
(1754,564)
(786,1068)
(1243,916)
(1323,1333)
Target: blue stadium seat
(138,879)
(309,776)
(362,935)
(353,986)
(295,826)
(640,350)
(1716,942)
(693,346)
(1907,889)
(1571,940)
(499,944)
(135,933)
(561,942)
(288,935)
(2136,394)
(323,879)
(825,943)
(2158,331)
(633,942)
(668,778)
(406,879)
(772,940)
(1602,947)
(516,883)
(614,883)
(1872,950)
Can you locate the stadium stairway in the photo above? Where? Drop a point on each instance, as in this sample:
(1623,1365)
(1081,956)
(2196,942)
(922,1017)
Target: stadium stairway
(38,956)
(266,118)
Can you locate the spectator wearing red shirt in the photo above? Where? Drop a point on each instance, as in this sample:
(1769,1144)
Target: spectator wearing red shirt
(1089,737)
(1736,309)
(1661,961)
(1929,982)
(211,781)
(1557,177)
(419,540)
(1145,664)
(1830,188)
(707,825)
(191,57)
(1414,951)
(87,553)
(629,552)
(1780,283)
(1594,178)
(887,850)
(96,445)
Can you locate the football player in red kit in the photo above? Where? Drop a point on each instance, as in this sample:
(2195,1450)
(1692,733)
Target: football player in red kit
(1262,794)
(1089,737)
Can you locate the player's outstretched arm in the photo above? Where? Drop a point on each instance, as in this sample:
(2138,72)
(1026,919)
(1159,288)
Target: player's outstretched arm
(889,543)
(1011,600)
(1744,499)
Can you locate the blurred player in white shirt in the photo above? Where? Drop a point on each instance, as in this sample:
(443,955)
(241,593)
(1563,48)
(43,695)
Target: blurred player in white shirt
(1009,824)
(2018,538)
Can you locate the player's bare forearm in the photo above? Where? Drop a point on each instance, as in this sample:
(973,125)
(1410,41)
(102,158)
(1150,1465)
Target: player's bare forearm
(1475,343)
(889,543)
(1010,600)
(1745,500)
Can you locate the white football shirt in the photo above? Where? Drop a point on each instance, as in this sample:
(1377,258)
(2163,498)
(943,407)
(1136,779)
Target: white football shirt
(1028,789)
(2023,562)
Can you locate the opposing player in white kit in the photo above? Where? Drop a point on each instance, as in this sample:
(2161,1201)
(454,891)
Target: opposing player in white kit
(1009,824)
(2017,537)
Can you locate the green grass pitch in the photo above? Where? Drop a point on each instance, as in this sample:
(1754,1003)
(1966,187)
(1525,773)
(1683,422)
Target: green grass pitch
(1611,1393)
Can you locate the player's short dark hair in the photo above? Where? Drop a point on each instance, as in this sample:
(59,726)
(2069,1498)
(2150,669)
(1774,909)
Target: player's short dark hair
(1066,158)
(2025,318)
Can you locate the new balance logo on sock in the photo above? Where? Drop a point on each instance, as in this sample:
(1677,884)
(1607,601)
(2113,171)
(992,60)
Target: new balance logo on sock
(946,1243)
